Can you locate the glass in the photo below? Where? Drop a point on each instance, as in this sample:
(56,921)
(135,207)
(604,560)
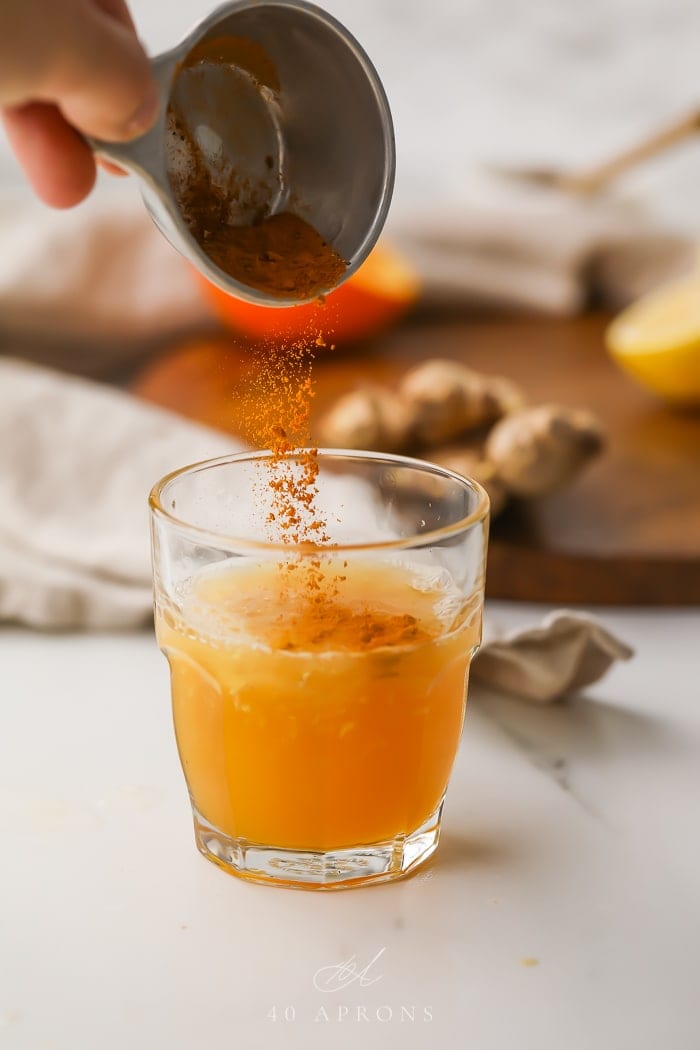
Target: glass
(318,690)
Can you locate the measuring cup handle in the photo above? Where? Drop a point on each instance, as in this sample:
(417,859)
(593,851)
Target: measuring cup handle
(144,155)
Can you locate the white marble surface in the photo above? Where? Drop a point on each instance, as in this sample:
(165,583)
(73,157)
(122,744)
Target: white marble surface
(570,838)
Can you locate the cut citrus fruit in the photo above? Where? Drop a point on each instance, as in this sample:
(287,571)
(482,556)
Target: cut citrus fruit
(381,291)
(657,340)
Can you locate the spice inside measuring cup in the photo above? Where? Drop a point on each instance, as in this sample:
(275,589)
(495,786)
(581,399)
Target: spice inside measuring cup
(226,170)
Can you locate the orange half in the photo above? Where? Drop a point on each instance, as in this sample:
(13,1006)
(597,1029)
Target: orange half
(382,290)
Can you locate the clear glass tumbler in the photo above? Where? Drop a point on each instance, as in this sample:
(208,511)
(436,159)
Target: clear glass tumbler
(318,688)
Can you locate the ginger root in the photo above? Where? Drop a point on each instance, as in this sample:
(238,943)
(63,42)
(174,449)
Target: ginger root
(474,424)
(504,395)
(436,402)
(537,450)
(370,418)
(446,399)
(471,464)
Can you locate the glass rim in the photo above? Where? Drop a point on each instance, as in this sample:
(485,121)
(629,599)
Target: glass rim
(423,539)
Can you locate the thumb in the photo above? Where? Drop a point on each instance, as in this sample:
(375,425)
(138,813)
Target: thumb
(101,79)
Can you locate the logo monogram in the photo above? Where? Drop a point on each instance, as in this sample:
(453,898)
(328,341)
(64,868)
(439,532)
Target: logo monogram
(341,975)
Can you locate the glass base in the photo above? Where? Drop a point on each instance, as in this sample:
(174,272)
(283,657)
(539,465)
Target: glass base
(308,870)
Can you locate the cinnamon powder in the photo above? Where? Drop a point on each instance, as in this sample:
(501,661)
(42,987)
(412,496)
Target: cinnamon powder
(315,615)
(239,51)
(280,254)
(331,624)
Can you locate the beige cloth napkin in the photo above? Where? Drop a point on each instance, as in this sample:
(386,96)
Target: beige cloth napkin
(77,459)
(93,289)
(567,652)
(517,245)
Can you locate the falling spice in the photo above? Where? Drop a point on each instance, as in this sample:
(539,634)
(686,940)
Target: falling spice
(316,612)
(277,418)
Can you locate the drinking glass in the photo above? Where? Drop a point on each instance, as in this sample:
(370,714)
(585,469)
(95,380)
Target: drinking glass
(318,688)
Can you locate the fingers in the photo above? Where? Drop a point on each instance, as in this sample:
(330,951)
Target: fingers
(57,162)
(68,69)
(119,10)
(99,75)
(82,55)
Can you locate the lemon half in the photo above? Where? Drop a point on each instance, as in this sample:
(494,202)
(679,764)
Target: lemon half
(657,341)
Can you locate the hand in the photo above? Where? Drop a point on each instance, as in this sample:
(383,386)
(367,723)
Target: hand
(69,67)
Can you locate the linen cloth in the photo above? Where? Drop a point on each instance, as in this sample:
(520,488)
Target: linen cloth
(516,245)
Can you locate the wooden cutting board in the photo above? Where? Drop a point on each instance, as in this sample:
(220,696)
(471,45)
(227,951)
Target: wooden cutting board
(626,532)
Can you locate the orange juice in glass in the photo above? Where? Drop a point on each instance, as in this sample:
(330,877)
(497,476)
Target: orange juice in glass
(318,693)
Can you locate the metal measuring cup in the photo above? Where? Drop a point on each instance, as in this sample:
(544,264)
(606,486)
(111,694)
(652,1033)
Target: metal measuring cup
(308,130)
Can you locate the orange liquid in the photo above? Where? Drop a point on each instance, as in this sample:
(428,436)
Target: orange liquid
(319,725)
